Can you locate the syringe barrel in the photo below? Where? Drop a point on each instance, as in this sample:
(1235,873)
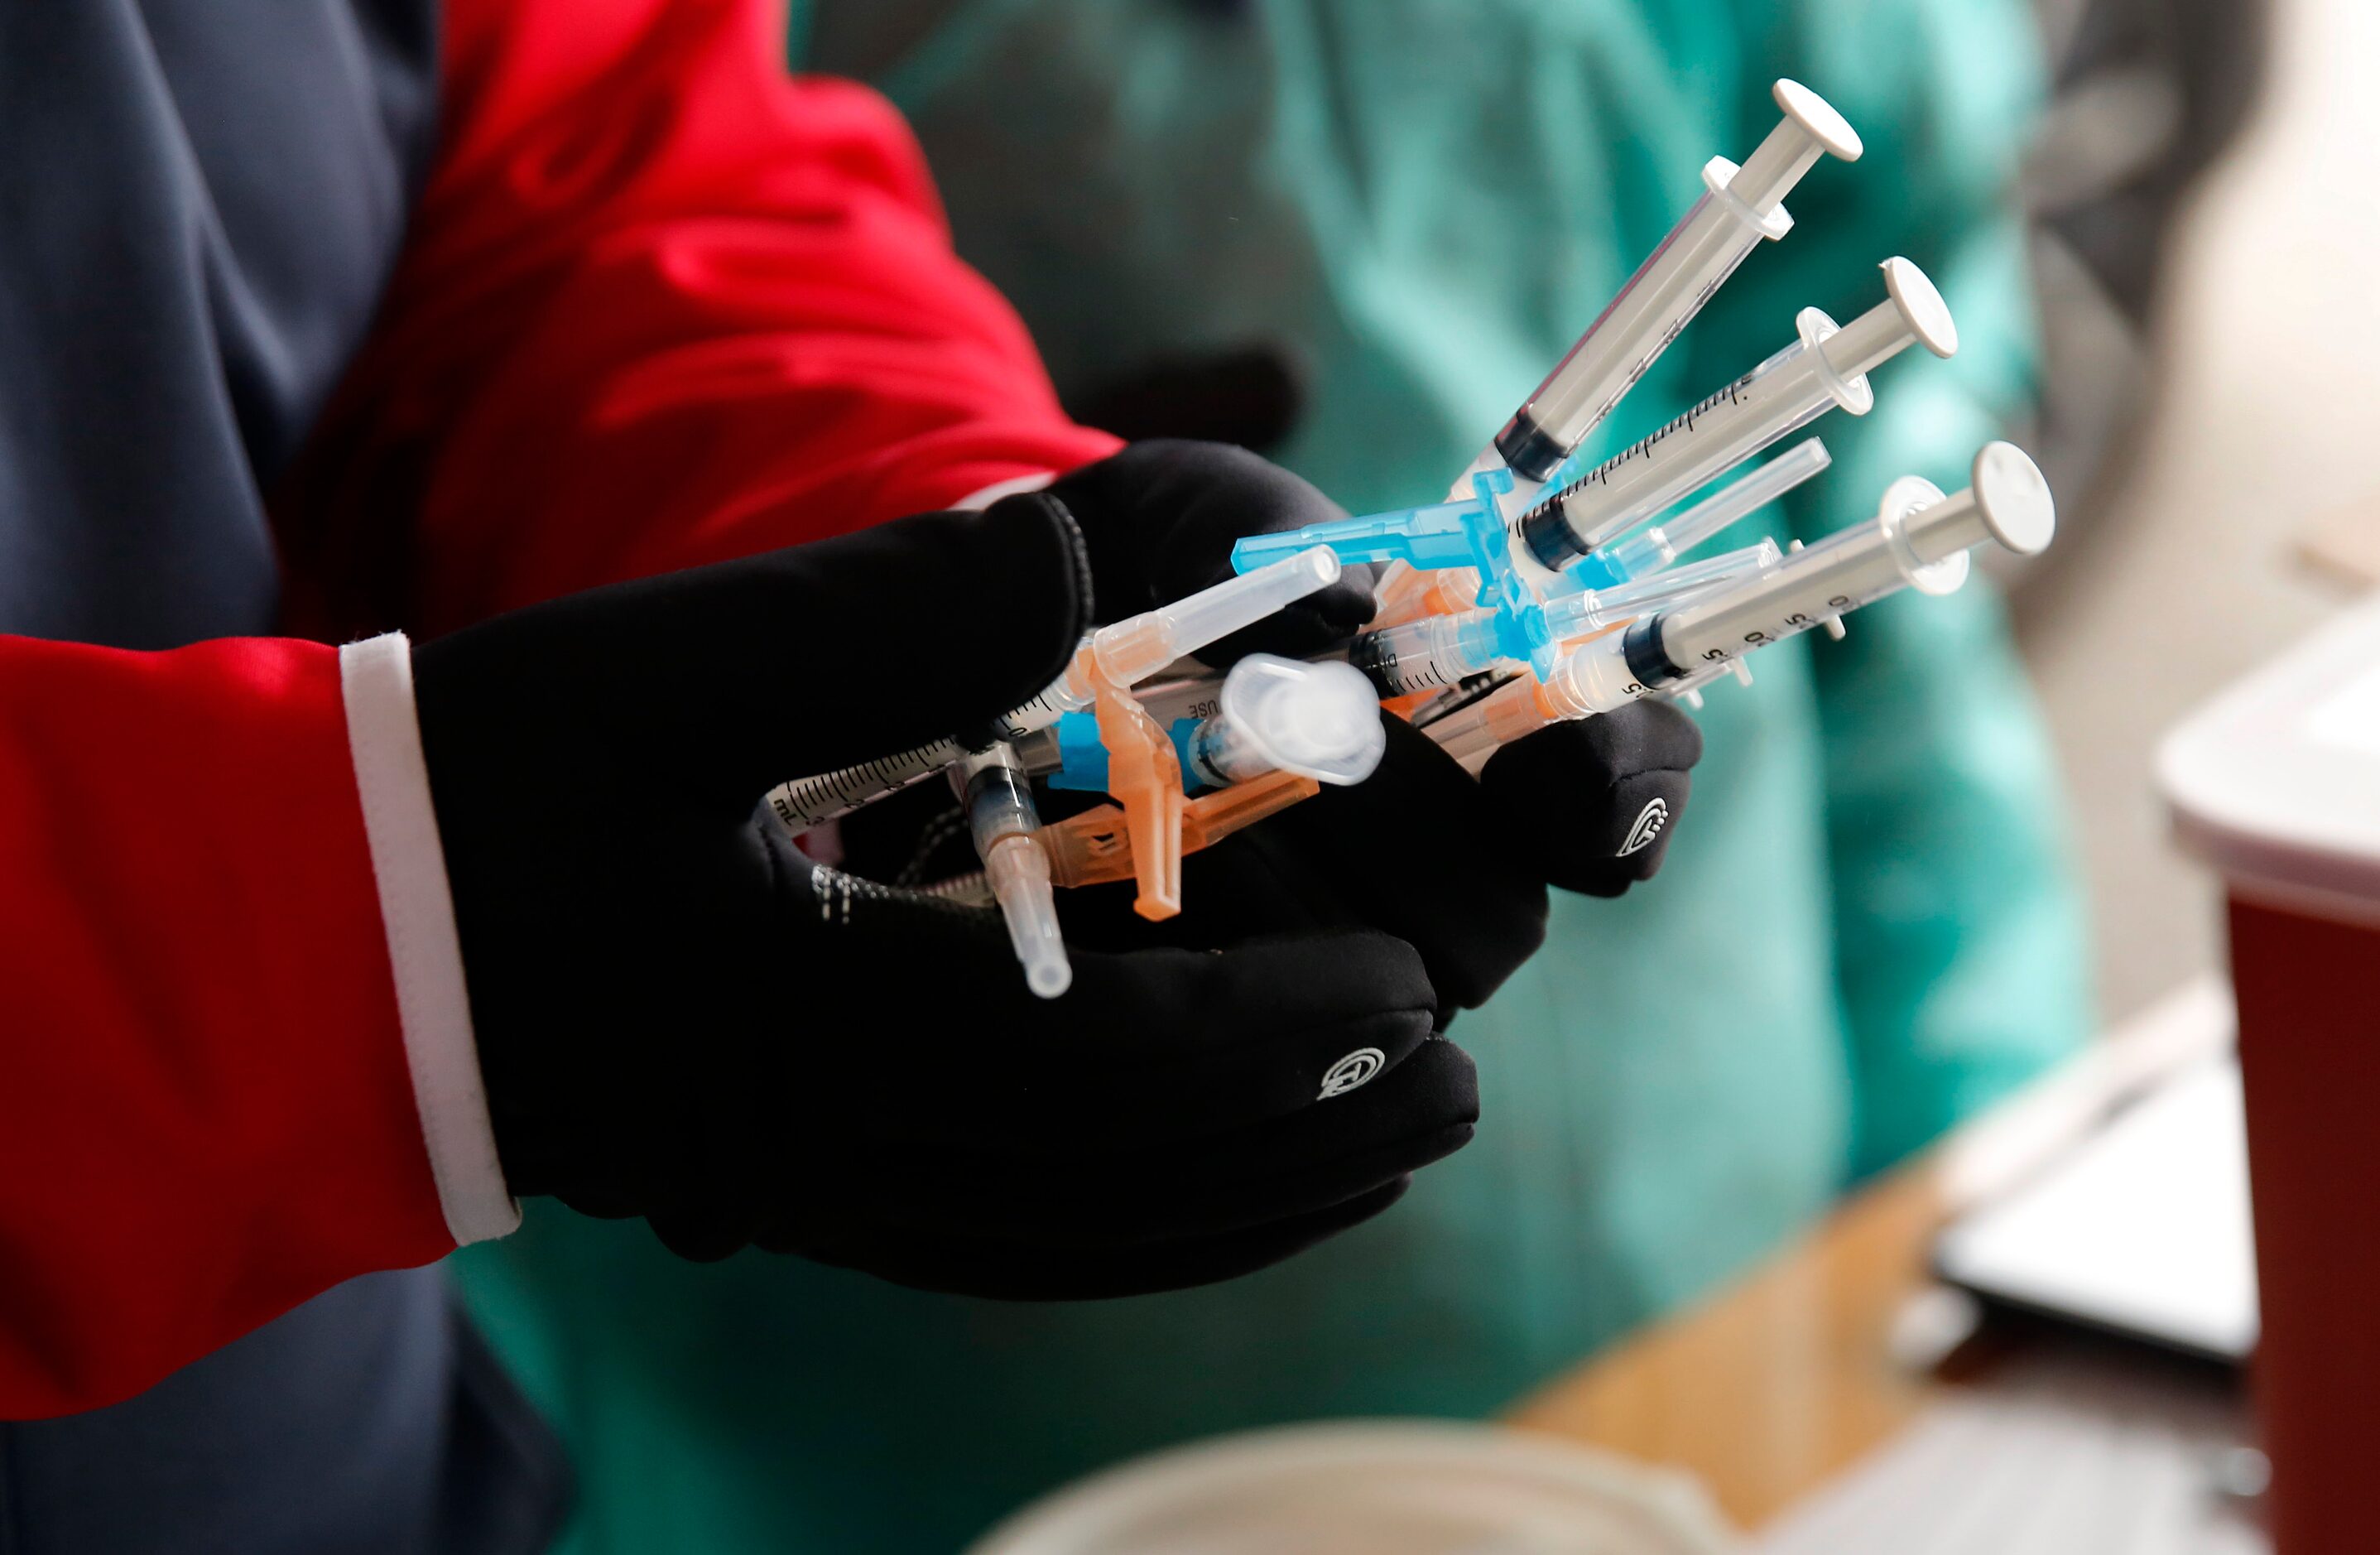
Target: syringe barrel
(814,801)
(1741,207)
(1771,403)
(1507,715)
(1595,677)
(1844,571)
(1222,754)
(1919,537)
(1427,654)
(1656,305)
(997,795)
(1133,649)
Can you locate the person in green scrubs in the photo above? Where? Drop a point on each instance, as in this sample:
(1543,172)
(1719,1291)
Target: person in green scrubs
(1867,925)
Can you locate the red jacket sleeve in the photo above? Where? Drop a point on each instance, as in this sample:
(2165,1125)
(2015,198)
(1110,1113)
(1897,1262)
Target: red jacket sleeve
(205,1110)
(664,305)
(661,306)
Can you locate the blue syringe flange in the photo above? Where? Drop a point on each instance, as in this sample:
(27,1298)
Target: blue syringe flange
(1445,535)
(1593,572)
(1428,539)
(1082,758)
(1521,630)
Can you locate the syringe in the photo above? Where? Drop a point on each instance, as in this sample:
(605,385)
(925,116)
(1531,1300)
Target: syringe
(1741,207)
(1437,536)
(1825,368)
(1919,539)
(1317,721)
(1124,652)
(998,799)
(1435,653)
(1656,546)
(1281,713)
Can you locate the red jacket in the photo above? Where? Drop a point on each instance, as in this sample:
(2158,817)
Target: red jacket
(660,306)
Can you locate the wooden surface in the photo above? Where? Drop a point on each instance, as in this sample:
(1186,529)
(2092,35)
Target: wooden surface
(1781,1381)
(1777,1384)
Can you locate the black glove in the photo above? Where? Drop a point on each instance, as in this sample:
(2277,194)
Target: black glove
(680,1017)
(1609,788)
(1160,518)
(1456,867)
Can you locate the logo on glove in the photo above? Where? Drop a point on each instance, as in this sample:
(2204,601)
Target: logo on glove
(1647,829)
(1351,1071)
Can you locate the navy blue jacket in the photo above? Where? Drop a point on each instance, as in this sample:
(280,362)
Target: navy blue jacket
(199,203)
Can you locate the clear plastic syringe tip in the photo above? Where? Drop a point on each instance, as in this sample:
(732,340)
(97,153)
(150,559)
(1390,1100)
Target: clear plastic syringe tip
(1651,549)
(1571,615)
(1319,720)
(1804,462)
(1134,648)
(1018,874)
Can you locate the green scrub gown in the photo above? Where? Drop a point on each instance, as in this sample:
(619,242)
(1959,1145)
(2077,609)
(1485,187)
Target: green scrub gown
(1867,925)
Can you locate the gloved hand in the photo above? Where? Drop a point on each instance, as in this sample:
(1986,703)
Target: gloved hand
(1456,867)
(682,1017)
(1607,791)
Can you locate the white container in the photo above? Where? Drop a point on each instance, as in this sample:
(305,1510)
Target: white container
(1372,1487)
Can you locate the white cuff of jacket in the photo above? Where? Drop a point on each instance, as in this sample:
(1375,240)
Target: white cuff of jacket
(425,954)
(417,910)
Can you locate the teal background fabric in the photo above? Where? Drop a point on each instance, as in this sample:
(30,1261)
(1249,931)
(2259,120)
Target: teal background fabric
(1867,924)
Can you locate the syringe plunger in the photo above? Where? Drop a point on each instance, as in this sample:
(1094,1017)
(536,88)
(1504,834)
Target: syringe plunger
(1919,539)
(1913,315)
(1823,369)
(1741,206)
(1811,129)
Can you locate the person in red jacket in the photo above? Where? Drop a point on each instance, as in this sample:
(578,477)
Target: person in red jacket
(369,320)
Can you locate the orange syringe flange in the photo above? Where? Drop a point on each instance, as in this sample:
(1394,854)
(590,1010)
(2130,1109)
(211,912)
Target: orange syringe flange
(1095,846)
(1144,776)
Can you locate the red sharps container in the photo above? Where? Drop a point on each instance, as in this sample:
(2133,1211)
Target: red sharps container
(2276,785)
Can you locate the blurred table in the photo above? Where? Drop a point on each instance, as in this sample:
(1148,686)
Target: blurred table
(1780,1384)
(1775,1388)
